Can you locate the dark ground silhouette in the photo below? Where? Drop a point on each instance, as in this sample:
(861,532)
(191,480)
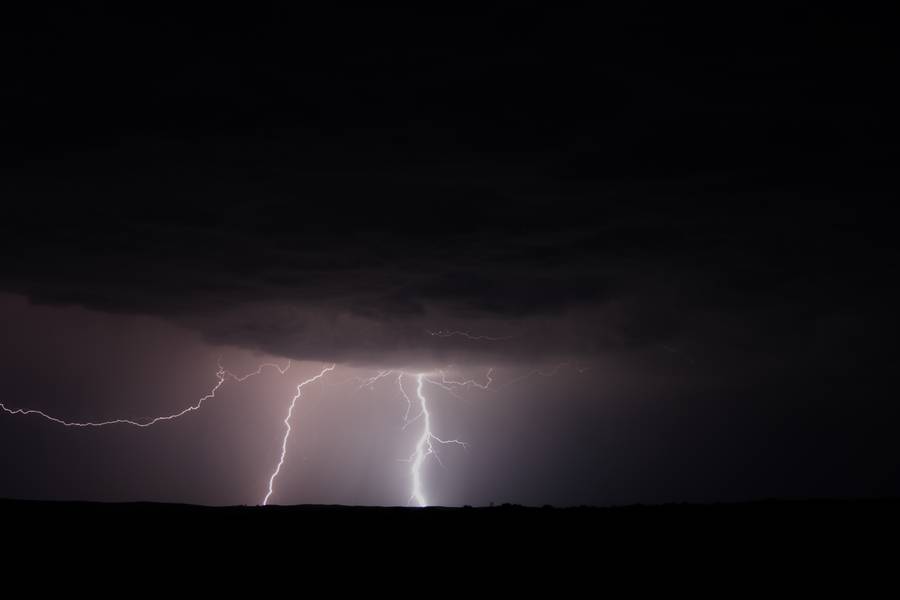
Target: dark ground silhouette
(842,546)
(777,525)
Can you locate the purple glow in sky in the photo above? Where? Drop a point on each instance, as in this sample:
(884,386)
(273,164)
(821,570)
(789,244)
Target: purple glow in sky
(637,258)
(146,357)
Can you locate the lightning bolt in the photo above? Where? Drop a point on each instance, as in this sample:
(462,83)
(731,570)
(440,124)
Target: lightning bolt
(469,382)
(221,375)
(287,433)
(425,445)
(427,441)
(446,333)
(369,382)
(406,419)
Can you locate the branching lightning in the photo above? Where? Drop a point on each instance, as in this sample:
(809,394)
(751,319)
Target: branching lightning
(425,446)
(369,382)
(221,375)
(426,443)
(469,382)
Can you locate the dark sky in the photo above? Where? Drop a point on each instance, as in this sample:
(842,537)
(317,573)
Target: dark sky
(688,211)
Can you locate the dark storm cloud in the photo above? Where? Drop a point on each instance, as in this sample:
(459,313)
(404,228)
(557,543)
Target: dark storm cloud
(580,190)
(359,265)
(688,209)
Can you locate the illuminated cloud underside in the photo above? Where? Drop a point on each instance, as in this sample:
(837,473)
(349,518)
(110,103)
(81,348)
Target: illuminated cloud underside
(425,446)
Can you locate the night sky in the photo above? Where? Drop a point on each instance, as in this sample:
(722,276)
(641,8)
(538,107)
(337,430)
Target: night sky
(666,234)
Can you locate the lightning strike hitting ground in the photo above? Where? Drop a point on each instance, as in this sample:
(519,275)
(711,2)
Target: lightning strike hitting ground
(287,433)
(425,445)
(426,441)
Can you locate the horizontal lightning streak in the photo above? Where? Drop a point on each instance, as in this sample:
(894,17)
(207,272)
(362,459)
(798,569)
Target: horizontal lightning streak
(221,375)
(446,333)
(470,382)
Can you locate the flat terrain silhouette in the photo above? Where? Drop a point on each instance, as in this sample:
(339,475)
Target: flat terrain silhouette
(802,520)
(650,547)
